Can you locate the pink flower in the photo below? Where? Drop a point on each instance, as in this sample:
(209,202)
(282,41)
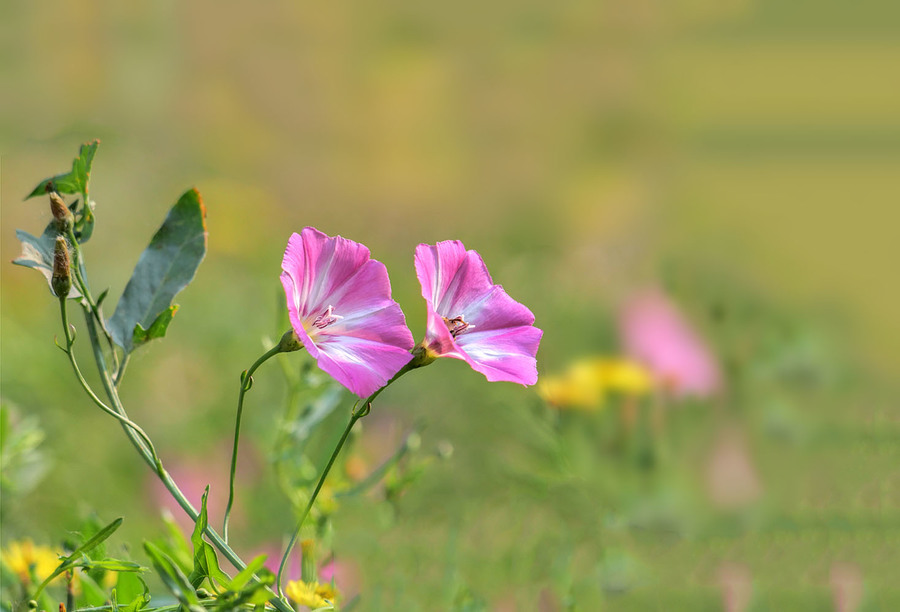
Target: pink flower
(472,319)
(339,302)
(656,334)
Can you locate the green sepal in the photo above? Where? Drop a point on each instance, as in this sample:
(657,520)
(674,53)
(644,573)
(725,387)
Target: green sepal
(165,267)
(157,329)
(74,181)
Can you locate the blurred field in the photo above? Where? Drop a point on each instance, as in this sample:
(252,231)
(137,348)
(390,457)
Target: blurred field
(743,155)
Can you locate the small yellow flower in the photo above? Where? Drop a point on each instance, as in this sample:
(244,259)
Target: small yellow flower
(311,594)
(578,387)
(30,561)
(587,382)
(626,377)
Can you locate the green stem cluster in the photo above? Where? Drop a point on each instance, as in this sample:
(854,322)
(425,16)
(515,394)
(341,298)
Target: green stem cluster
(359,411)
(136,435)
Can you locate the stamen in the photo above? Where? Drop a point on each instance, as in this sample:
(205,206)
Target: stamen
(457,325)
(327,318)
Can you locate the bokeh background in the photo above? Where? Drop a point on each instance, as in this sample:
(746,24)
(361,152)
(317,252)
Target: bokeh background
(741,156)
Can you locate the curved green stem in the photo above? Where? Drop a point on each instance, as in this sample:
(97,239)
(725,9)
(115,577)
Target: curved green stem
(84,384)
(145,447)
(246,383)
(354,417)
(84,288)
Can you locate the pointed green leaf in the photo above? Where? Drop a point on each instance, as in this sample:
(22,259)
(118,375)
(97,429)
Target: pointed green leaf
(157,328)
(246,574)
(110,565)
(37,253)
(78,554)
(132,589)
(91,592)
(74,181)
(206,563)
(173,578)
(165,268)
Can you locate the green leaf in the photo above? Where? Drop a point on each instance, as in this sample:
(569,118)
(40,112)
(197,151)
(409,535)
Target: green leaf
(37,253)
(111,565)
(74,181)
(78,554)
(246,574)
(131,588)
(84,222)
(173,578)
(175,544)
(165,268)
(157,328)
(206,563)
(91,592)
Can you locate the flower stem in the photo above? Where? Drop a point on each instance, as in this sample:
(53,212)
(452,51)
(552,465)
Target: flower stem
(84,288)
(355,415)
(246,383)
(126,422)
(142,442)
(136,435)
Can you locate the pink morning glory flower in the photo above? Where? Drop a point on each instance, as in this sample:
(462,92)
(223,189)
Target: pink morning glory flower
(340,306)
(656,334)
(472,319)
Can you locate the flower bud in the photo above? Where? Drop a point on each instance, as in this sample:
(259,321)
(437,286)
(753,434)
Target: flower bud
(61,280)
(62,214)
(289,342)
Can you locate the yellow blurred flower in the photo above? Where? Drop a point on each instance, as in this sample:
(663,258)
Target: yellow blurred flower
(29,561)
(311,594)
(587,381)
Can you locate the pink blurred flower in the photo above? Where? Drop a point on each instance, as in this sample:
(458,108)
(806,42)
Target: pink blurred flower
(472,319)
(340,306)
(193,475)
(656,334)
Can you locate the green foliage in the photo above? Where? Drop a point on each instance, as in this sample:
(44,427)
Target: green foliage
(231,593)
(157,329)
(164,268)
(79,558)
(173,578)
(131,588)
(74,181)
(37,253)
(22,463)
(206,564)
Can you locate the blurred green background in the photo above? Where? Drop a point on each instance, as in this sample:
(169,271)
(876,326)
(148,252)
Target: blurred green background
(742,154)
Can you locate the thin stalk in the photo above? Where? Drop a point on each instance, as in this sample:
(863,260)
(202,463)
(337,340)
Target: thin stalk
(124,420)
(148,453)
(246,383)
(354,417)
(120,372)
(81,280)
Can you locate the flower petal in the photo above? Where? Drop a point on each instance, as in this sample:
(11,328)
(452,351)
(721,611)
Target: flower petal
(360,364)
(451,277)
(503,354)
(500,341)
(367,341)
